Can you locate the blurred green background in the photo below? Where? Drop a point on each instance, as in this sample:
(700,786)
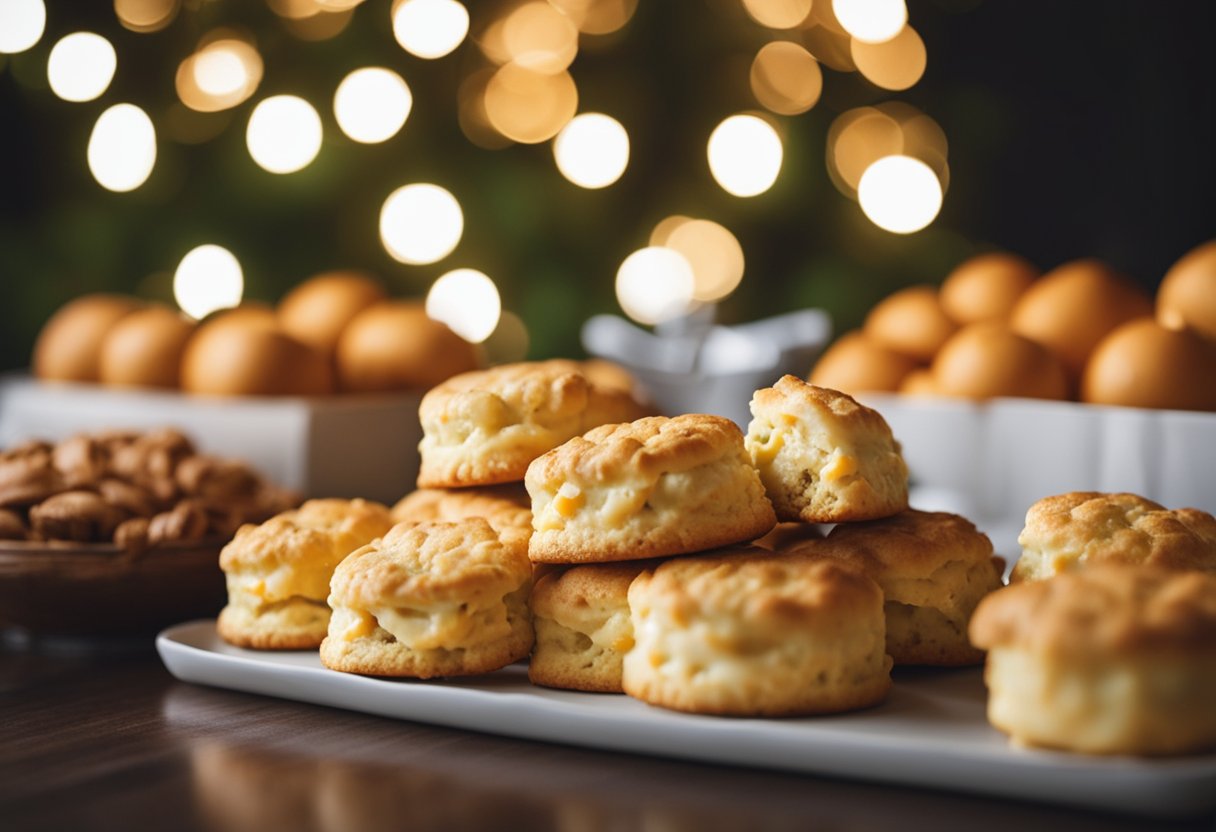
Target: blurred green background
(1076,129)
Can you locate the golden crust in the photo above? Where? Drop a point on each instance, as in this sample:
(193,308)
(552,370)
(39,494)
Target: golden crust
(600,584)
(485,427)
(430,599)
(913,545)
(647,448)
(379,654)
(1109,659)
(746,632)
(278,573)
(1103,610)
(933,568)
(416,565)
(651,488)
(583,629)
(506,508)
(1079,528)
(328,529)
(823,457)
(296,624)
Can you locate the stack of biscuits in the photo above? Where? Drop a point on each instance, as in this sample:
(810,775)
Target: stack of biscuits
(698,568)
(445,591)
(694,575)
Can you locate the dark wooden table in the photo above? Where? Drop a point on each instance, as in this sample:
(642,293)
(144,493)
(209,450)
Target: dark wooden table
(100,736)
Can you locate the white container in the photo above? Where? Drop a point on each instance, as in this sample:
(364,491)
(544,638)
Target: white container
(998,457)
(336,446)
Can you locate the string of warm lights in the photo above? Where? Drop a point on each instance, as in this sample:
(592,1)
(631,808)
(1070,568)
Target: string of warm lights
(891,158)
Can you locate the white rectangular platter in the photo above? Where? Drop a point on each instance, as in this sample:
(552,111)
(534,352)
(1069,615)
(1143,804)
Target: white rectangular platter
(930,732)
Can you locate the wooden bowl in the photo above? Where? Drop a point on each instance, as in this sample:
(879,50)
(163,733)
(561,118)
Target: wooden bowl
(87,589)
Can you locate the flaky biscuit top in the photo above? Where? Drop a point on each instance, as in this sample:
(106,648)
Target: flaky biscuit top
(294,553)
(639,451)
(1085,526)
(843,437)
(1102,611)
(506,508)
(771,593)
(910,545)
(418,566)
(549,396)
(794,396)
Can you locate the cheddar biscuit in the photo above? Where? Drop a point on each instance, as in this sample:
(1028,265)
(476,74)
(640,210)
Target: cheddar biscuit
(933,568)
(430,599)
(506,508)
(1110,659)
(278,572)
(750,633)
(823,457)
(583,630)
(649,488)
(1085,527)
(484,427)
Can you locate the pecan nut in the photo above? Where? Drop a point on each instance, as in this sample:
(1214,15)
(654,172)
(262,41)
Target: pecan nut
(75,515)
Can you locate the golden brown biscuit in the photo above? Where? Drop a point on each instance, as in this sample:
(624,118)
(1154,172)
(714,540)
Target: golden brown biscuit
(749,633)
(1111,659)
(583,630)
(933,569)
(432,599)
(485,427)
(649,488)
(823,457)
(1084,527)
(507,508)
(278,573)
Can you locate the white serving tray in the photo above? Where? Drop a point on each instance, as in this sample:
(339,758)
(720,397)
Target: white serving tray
(930,732)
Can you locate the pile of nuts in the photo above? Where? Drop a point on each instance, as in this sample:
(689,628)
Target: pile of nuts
(135,489)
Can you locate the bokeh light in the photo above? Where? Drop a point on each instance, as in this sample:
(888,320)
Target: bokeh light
(655,284)
(337,5)
(372,104)
(224,72)
(471,111)
(745,155)
(896,64)
(420,223)
(597,17)
(207,279)
(122,148)
(81,66)
(294,9)
(900,194)
(871,21)
(429,28)
(666,227)
(778,14)
(857,139)
(713,253)
(536,36)
(592,151)
(284,134)
(320,26)
(527,106)
(785,78)
(467,301)
(146,15)
(22,23)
